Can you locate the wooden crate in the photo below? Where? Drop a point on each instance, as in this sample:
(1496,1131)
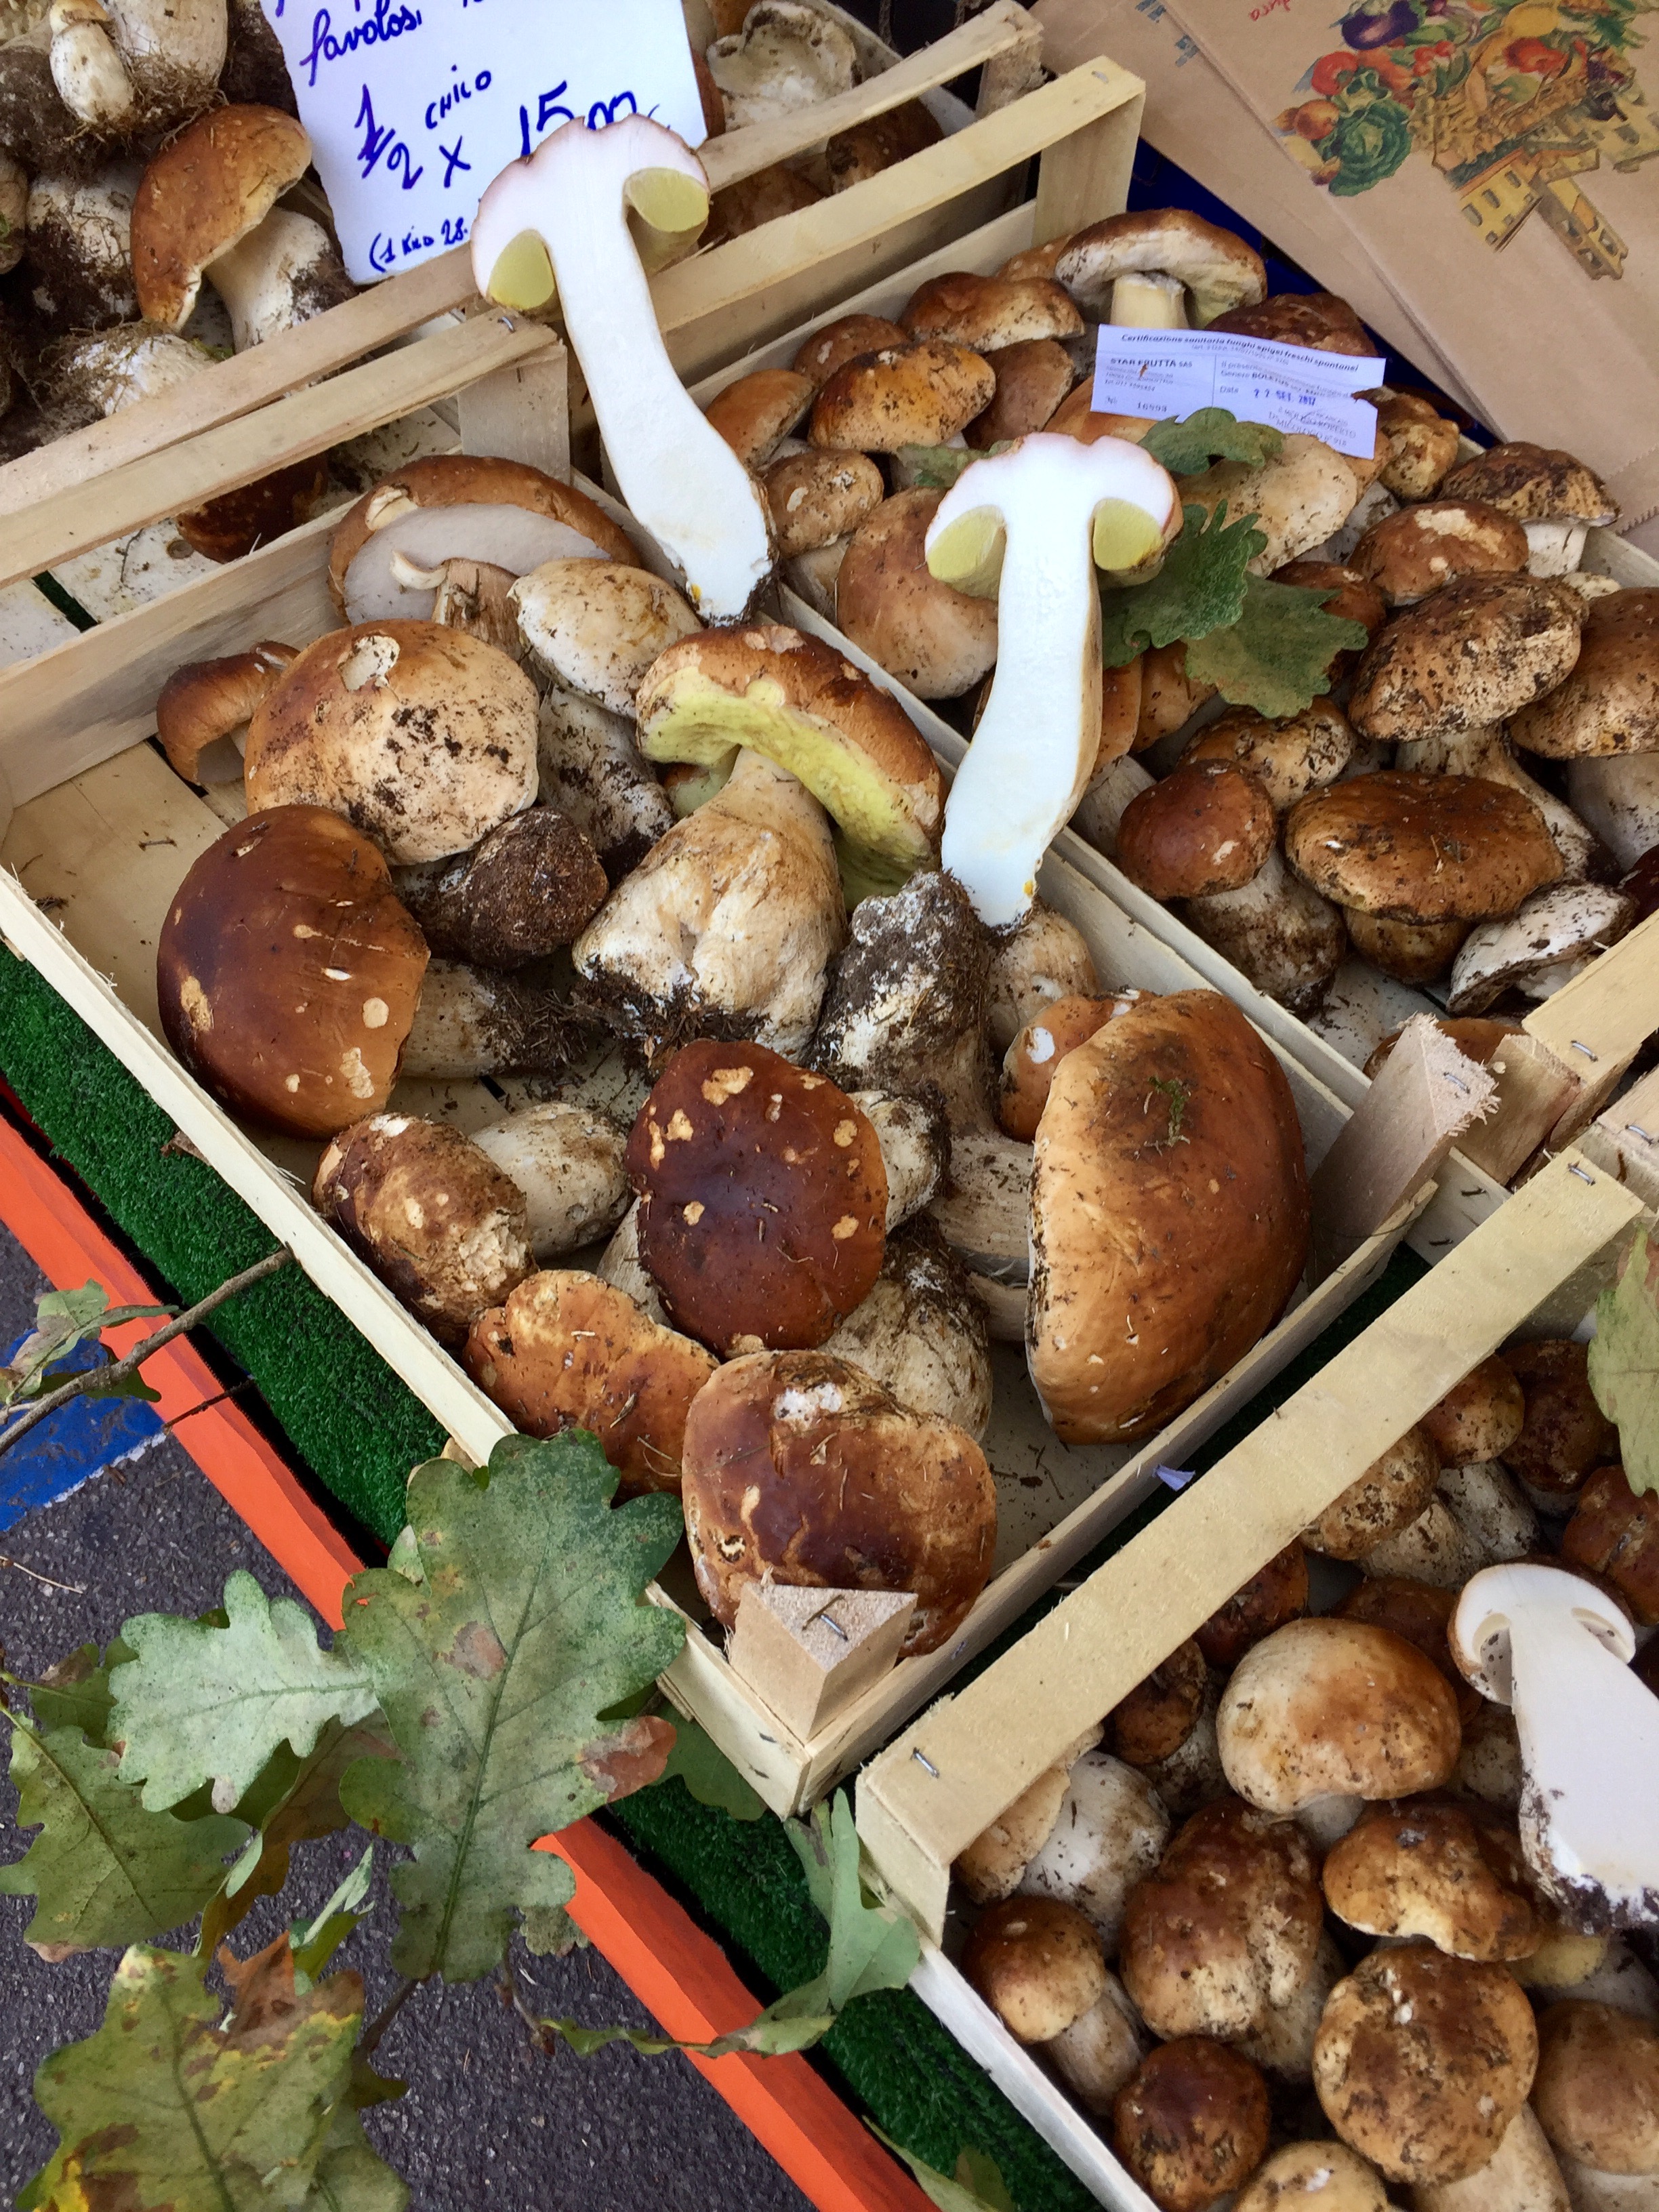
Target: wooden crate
(1533,1269)
(263,409)
(1580,1043)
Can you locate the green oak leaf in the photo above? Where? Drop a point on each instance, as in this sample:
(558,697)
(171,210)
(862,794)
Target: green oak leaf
(75,1693)
(212,1704)
(350,2177)
(709,1775)
(1623,1362)
(63,1319)
(313,1941)
(1277,656)
(871,1946)
(1200,587)
(492,1673)
(1186,449)
(977,2186)
(104,1870)
(164,2109)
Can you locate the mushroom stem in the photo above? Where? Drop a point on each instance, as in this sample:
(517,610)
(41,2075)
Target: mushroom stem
(469,1024)
(91,77)
(560,220)
(1284,937)
(283,272)
(1148,299)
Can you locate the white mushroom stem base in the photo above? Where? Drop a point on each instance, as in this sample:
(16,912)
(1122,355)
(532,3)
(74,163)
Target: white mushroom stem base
(1522,2177)
(1284,937)
(568,1164)
(1618,795)
(265,278)
(1096,2054)
(1591,2190)
(1554,549)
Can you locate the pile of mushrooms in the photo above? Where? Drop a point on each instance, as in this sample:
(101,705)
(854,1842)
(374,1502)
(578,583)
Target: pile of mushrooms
(1289,1924)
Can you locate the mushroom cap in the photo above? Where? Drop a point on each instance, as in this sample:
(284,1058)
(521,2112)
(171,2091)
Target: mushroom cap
(1038,1964)
(785,57)
(1543,940)
(1353,598)
(755,412)
(990,1868)
(1420,549)
(1421,2061)
(800,1469)
(1422,443)
(1410,951)
(816,497)
(1597,2090)
(205,700)
(1223,1934)
(565,1350)
(1610,701)
(921,1332)
(924,393)
(1421,848)
(288,971)
(762,1198)
(1299,496)
(1033,376)
(808,709)
(988,313)
(1390,1495)
(748,202)
(1275,1594)
(1472,653)
(1292,756)
(1564,1432)
(1043,958)
(215,183)
(834,344)
(853,156)
(1075,417)
(1206,827)
(1616,1532)
(1421,1611)
(424,736)
(1320,320)
(459,506)
(597,625)
(1192,2123)
(1162,1711)
(935,640)
(1447,1873)
(434,1216)
(1217,267)
(1313,2177)
(1479,1418)
(1201,1250)
(1329,1707)
(1534,483)
(1028,1065)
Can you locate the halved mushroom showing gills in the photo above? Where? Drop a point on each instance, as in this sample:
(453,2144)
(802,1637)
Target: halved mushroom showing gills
(1030,528)
(1176,1119)
(560,222)
(389,553)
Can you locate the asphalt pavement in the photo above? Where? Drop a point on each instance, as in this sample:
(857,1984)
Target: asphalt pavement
(487,2120)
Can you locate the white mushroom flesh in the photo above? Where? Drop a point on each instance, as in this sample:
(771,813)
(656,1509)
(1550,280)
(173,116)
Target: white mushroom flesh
(1539,947)
(265,277)
(1618,795)
(1110,1832)
(1554,549)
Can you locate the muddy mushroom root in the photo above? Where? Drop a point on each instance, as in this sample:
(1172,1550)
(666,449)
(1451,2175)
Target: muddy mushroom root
(799,1469)
(524,891)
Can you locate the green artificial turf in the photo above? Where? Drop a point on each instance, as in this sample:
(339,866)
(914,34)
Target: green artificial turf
(359,1429)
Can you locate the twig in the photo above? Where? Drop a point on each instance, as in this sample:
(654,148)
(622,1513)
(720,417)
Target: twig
(246,1383)
(375,2032)
(100,1378)
(75,1590)
(507,1982)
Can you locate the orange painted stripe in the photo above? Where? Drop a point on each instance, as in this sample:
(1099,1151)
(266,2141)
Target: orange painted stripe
(680,1975)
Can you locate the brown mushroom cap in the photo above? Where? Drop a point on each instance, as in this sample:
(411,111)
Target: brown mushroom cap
(1421,2061)
(1388,1497)
(1192,2123)
(924,393)
(1075,417)
(988,313)
(1421,1613)
(748,202)
(434,1216)
(1029,1064)
(1616,1533)
(215,183)
(814,498)
(1422,548)
(1597,2090)
(1225,1932)
(1169,1215)
(1422,443)
(1206,827)
(206,700)
(1479,1418)
(1292,756)
(1320,320)
(853,156)
(1033,376)
(424,736)
(566,1351)
(1421,848)
(1534,483)
(799,1469)
(1273,1595)
(936,641)
(1430,1868)
(1330,1707)
(762,1198)
(1353,598)
(1609,704)
(1216,265)
(288,971)
(521,892)
(1034,260)
(1472,653)
(1410,951)
(1314,2177)
(1169,695)
(1564,1433)
(844,340)
(1160,1713)
(755,412)
(1038,1964)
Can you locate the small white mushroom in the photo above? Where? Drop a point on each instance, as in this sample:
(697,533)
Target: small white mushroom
(984,1215)
(569,1163)
(1549,938)
(1110,1832)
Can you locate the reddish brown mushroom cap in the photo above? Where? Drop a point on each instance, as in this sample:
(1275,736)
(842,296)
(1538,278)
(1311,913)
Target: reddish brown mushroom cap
(1038,1964)
(1479,1418)
(1273,1595)
(1597,2092)
(1616,1533)
(844,340)
(1160,1713)
(1451,1874)
(1192,2123)
(1420,849)
(1564,1432)
(762,1198)
(1206,827)
(799,1469)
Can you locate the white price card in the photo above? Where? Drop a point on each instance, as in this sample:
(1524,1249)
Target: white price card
(415,105)
(1170,373)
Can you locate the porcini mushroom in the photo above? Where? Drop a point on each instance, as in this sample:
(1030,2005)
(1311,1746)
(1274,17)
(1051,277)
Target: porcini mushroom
(1038,1964)
(1314,2177)
(915,1147)
(785,57)
(589,768)
(1028,1065)
(1563,1432)
(1484,752)
(1321,320)
(1598,2089)
(1045,958)
(1031,527)
(1034,375)
(1422,548)
(1550,937)
(569,1162)
(1108,1831)
(842,340)
(922,394)
(1126,1327)
(434,1216)
(1615,1532)
(1609,702)
(983,1217)
(565,1350)
(1432,1869)
(989,1870)
(1522,2175)
(919,1332)
(937,641)
(1275,1593)
(524,889)
(1616,796)
(1470,654)
(1192,2123)
(597,626)
(1552,496)
(819,497)
(441,507)
(1142,268)
(755,414)
(123,66)
(1290,757)
(560,221)
(77,248)
(476,1021)
(204,702)
(799,1469)
(1390,1495)
(986,313)
(1422,445)
(1298,495)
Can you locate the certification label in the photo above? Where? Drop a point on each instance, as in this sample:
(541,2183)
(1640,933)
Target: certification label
(1166,373)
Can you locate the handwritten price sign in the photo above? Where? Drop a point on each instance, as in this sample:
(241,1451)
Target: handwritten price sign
(414,106)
